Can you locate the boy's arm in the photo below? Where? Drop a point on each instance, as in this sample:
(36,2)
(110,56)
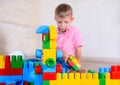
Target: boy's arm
(78,53)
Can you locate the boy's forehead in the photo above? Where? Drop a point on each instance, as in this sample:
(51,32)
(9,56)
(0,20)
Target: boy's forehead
(64,17)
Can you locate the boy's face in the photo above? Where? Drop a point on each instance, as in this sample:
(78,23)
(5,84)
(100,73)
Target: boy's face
(63,22)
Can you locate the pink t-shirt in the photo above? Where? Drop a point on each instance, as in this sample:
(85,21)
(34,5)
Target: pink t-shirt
(69,40)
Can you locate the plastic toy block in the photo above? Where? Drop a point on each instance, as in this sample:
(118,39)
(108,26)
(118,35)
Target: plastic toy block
(50,62)
(53,82)
(46,42)
(45,68)
(2,84)
(2,62)
(16,78)
(46,82)
(102,79)
(38,69)
(7,61)
(104,70)
(42,29)
(26,83)
(115,73)
(31,83)
(49,76)
(95,78)
(83,79)
(52,43)
(77,80)
(16,63)
(11,84)
(53,32)
(75,68)
(89,79)
(49,53)
(58,68)
(38,53)
(4,78)
(59,54)
(91,71)
(108,80)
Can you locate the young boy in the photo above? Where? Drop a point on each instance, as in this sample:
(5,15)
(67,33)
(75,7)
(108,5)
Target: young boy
(69,37)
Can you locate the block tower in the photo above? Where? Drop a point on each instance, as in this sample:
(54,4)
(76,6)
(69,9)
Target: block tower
(49,54)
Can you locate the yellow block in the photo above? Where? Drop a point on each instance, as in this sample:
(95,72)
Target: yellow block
(95,79)
(71,79)
(53,82)
(75,61)
(53,32)
(108,80)
(59,79)
(89,79)
(77,79)
(52,43)
(83,79)
(48,53)
(114,82)
(2,62)
(118,81)
(65,79)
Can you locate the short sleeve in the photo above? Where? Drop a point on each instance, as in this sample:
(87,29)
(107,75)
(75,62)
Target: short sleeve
(78,39)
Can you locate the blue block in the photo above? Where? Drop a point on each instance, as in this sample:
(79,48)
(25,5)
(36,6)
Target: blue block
(59,54)
(45,68)
(38,80)
(10,82)
(4,78)
(42,30)
(104,69)
(16,78)
(38,53)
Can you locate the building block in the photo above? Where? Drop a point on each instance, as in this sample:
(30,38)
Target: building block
(102,79)
(53,82)
(58,68)
(45,68)
(95,78)
(59,54)
(46,82)
(2,62)
(53,33)
(2,84)
(16,62)
(49,76)
(7,62)
(38,53)
(108,79)
(42,29)
(52,44)
(38,69)
(26,83)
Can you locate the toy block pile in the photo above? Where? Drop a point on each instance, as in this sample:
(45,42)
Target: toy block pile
(73,62)
(10,71)
(48,54)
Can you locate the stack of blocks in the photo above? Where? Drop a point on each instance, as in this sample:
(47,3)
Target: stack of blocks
(16,71)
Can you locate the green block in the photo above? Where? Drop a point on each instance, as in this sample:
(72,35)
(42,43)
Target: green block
(37,64)
(17,62)
(46,38)
(46,44)
(46,82)
(50,62)
(91,71)
(31,83)
(102,79)
(75,68)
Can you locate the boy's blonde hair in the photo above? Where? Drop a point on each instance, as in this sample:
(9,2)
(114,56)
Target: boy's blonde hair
(63,10)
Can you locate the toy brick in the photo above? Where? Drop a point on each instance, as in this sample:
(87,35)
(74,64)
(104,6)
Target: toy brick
(2,84)
(71,76)
(7,61)
(108,79)
(89,79)
(75,60)
(11,84)
(2,62)
(38,69)
(49,76)
(26,83)
(118,68)
(102,79)
(77,75)
(38,53)
(53,82)
(50,62)
(58,68)
(75,68)
(95,78)
(83,79)
(31,83)
(42,29)
(52,43)
(64,76)
(53,32)
(59,54)
(16,63)
(46,82)
(113,68)
(71,63)
(45,68)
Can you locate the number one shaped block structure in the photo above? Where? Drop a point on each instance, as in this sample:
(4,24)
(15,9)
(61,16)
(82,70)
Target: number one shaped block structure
(49,54)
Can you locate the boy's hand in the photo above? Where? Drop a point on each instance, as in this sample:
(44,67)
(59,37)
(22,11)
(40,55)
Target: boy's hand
(64,55)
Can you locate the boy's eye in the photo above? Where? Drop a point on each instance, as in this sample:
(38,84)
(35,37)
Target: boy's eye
(60,22)
(66,22)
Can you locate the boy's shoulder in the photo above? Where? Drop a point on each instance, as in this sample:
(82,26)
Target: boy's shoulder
(75,29)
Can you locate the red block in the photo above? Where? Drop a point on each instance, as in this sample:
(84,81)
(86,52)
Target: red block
(2,84)
(26,83)
(11,84)
(71,63)
(7,61)
(49,76)
(113,68)
(38,69)
(118,68)
(58,68)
